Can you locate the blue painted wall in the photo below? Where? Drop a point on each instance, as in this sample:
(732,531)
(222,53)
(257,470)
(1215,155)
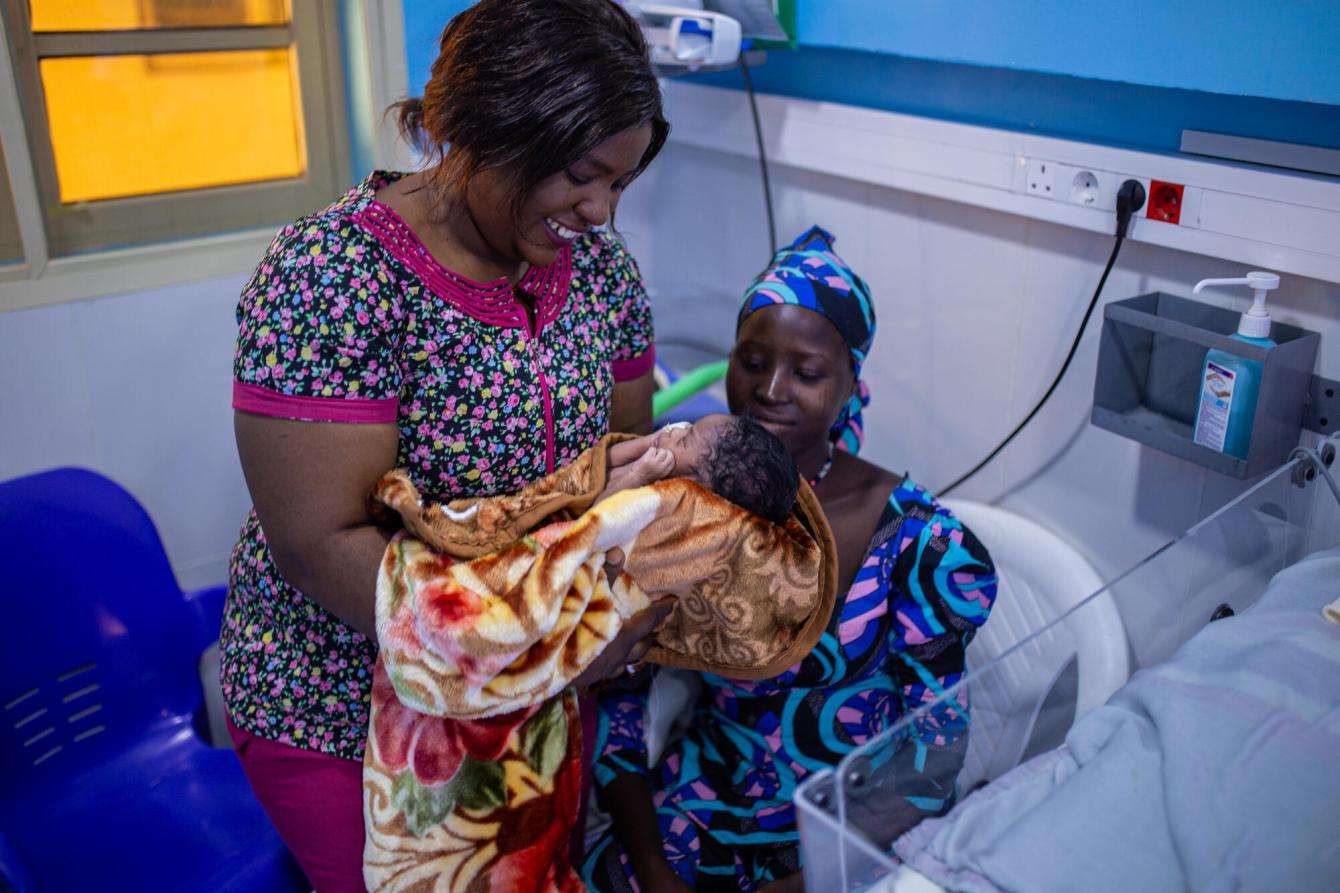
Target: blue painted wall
(1278,50)
(424,21)
(1133,73)
(1087,109)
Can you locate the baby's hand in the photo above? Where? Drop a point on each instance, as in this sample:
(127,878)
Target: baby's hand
(636,464)
(629,451)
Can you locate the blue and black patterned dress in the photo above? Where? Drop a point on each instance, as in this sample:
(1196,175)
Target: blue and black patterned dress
(724,792)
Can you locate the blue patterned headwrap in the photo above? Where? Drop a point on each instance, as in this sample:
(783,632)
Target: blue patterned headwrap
(809,274)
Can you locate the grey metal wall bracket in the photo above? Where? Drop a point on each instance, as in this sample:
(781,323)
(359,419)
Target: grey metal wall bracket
(1147,386)
(1322,412)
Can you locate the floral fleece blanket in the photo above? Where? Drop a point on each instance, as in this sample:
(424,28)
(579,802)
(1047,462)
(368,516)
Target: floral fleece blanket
(487,609)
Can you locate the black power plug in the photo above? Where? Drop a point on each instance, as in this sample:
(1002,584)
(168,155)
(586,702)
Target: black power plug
(1130,198)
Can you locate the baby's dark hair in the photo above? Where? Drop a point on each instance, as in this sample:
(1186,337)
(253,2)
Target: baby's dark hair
(749,466)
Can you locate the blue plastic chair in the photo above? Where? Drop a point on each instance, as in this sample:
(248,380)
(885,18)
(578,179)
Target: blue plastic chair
(107,784)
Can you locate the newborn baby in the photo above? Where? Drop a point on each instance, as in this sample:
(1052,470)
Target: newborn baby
(735,457)
(706,512)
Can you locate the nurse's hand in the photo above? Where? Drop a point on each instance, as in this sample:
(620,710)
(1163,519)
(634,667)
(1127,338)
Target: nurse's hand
(636,463)
(629,646)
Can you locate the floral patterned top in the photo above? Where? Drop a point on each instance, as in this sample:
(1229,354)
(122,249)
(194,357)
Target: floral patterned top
(349,319)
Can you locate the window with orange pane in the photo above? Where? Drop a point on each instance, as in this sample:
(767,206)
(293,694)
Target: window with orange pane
(140,104)
(144,124)
(122,15)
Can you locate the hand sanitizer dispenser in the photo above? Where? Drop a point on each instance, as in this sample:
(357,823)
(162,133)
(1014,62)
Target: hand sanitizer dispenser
(1229,384)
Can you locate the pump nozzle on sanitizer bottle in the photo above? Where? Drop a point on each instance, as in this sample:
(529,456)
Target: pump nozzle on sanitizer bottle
(1229,383)
(1255,322)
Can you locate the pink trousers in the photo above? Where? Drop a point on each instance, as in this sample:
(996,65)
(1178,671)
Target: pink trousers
(315,801)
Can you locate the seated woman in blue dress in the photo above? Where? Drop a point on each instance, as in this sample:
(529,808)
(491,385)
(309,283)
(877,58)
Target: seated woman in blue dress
(716,812)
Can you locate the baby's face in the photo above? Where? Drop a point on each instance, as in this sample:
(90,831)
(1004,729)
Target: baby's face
(691,444)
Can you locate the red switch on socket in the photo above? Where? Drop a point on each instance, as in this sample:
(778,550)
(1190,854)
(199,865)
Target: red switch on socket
(1165,201)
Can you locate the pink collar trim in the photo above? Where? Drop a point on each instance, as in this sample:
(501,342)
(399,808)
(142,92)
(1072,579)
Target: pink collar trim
(492,302)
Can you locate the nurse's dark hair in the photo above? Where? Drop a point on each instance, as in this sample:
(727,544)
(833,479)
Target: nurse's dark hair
(529,87)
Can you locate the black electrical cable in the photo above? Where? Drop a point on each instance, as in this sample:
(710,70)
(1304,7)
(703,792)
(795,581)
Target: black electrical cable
(1130,198)
(762,153)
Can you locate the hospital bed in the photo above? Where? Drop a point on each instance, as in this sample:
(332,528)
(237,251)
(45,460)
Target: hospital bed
(1031,703)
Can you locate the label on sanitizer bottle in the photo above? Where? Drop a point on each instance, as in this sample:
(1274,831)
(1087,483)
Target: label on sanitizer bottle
(1216,402)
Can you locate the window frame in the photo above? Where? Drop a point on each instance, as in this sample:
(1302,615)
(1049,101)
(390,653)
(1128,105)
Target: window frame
(373,52)
(125,223)
(11,239)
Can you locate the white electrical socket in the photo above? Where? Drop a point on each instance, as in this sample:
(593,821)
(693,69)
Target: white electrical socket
(1084,188)
(1040,178)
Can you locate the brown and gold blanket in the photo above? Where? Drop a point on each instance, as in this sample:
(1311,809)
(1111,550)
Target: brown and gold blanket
(487,609)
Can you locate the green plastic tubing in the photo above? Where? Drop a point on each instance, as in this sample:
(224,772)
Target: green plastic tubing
(689,385)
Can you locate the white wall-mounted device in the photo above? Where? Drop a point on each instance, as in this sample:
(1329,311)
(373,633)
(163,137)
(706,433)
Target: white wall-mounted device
(687,37)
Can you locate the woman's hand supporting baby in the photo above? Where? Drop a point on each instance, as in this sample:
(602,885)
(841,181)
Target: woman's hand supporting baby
(634,463)
(629,646)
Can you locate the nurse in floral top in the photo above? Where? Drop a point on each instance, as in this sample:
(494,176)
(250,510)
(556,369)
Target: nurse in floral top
(475,322)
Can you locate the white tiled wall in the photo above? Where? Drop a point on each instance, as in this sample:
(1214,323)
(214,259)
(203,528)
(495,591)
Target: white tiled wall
(976,311)
(136,387)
